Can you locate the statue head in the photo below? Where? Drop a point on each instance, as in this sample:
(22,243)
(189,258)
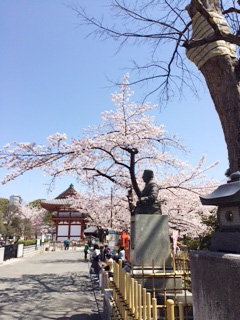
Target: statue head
(147,175)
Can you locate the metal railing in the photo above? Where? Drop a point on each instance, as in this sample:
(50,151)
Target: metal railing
(167,298)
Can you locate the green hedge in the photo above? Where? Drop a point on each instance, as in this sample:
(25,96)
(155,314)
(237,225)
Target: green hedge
(30,242)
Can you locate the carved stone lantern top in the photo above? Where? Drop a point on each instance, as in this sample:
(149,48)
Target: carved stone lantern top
(227,198)
(226,194)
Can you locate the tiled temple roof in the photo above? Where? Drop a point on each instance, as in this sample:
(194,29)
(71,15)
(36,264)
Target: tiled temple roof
(61,202)
(58,202)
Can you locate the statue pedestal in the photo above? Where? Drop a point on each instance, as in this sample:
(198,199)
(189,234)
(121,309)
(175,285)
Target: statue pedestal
(150,241)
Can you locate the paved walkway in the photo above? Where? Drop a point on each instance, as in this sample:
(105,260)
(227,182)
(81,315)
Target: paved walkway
(50,285)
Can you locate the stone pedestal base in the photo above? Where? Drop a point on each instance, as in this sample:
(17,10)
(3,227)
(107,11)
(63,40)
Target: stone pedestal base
(215,285)
(150,241)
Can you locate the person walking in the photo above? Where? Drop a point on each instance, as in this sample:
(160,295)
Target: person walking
(86,248)
(95,260)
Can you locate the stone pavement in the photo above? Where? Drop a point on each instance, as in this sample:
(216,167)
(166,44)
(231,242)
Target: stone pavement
(50,285)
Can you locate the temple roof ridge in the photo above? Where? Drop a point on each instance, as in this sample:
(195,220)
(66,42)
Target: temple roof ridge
(70,191)
(63,201)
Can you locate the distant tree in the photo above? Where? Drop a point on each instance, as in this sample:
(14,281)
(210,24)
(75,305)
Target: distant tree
(35,204)
(203,241)
(3,205)
(47,215)
(20,227)
(36,217)
(21,221)
(11,221)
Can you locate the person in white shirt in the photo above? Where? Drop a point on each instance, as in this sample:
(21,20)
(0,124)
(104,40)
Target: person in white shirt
(122,254)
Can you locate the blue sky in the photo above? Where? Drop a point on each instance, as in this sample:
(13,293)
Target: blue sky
(55,79)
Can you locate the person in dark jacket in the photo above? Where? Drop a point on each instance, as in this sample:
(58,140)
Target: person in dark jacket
(96,259)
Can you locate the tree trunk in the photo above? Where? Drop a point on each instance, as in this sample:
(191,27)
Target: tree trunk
(222,76)
(221,73)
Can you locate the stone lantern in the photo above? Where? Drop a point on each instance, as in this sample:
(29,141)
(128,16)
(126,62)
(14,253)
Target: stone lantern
(227,198)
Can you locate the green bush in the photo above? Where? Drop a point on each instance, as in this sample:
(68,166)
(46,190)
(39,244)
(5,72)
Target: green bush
(203,242)
(28,242)
(191,243)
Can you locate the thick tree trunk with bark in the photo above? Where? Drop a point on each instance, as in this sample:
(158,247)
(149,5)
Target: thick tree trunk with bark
(221,73)
(222,77)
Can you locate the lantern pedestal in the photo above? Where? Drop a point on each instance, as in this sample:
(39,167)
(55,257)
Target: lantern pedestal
(215,274)
(215,285)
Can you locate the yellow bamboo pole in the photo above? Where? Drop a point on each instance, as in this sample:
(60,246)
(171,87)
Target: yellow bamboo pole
(125,297)
(117,286)
(136,300)
(154,309)
(181,311)
(140,301)
(120,278)
(122,285)
(160,274)
(170,309)
(123,292)
(130,294)
(116,274)
(125,285)
(133,295)
(120,293)
(149,306)
(128,290)
(144,301)
(116,281)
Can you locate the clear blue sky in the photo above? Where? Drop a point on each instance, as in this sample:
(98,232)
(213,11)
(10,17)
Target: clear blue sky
(54,79)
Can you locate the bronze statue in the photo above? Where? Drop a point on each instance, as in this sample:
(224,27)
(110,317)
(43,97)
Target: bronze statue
(148,203)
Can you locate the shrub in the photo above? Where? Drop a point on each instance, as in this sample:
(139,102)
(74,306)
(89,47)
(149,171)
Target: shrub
(28,242)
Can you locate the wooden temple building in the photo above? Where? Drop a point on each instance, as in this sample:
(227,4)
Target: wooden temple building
(69,223)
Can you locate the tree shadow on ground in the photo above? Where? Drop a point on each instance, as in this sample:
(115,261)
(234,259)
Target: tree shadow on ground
(67,296)
(82,317)
(70,261)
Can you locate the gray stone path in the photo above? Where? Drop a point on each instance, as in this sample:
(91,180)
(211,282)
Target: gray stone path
(51,285)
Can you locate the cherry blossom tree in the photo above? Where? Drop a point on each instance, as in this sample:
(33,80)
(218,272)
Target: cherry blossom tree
(111,156)
(204,31)
(36,218)
(184,210)
(103,212)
